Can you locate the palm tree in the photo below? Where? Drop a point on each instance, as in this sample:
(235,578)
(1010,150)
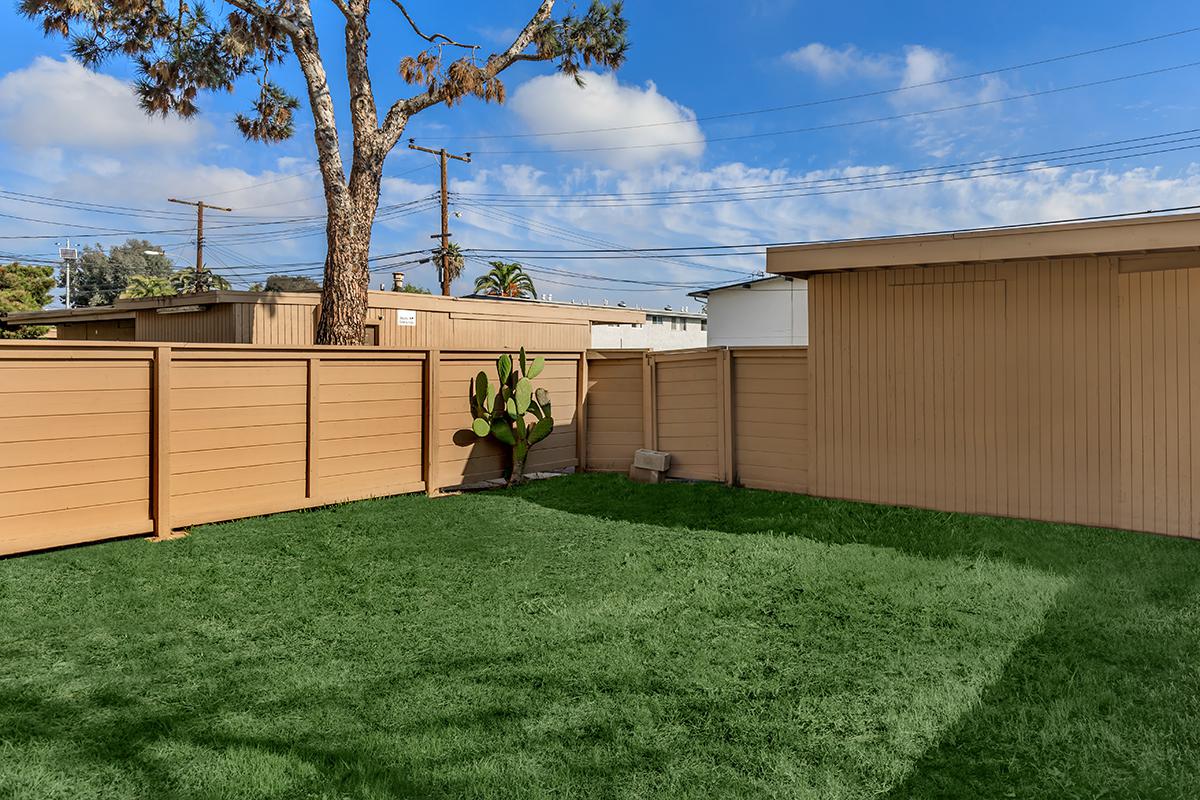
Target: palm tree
(453,266)
(505,280)
(192,281)
(143,286)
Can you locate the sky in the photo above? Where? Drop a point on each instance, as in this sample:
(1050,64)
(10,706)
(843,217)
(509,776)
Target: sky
(729,124)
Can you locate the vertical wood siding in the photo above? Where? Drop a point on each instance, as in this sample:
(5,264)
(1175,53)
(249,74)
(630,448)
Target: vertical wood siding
(1160,401)
(279,323)
(1055,389)
(213,325)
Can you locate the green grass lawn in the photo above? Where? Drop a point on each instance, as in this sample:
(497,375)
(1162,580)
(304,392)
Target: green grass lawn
(586,637)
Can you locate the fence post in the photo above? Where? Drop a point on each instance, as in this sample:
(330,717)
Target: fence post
(313,456)
(581,387)
(649,427)
(160,489)
(433,361)
(726,384)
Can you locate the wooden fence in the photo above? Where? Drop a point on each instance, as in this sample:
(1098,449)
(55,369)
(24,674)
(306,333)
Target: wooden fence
(99,440)
(738,415)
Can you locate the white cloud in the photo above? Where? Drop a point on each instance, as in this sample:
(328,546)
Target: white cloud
(60,103)
(940,135)
(829,63)
(1023,197)
(552,103)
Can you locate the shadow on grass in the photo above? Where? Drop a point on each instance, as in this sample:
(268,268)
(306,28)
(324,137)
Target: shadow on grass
(1102,702)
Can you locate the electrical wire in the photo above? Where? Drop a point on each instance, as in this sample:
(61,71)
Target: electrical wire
(843,98)
(855,186)
(693,249)
(854,123)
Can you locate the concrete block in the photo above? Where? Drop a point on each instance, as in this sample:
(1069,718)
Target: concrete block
(652,459)
(641,475)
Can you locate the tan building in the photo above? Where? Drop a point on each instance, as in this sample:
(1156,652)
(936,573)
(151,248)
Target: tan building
(1049,372)
(394,319)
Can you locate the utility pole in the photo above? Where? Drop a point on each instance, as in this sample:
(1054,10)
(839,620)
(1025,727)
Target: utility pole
(200,206)
(68,255)
(445,234)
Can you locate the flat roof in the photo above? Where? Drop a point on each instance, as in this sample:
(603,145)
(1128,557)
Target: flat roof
(746,284)
(637,310)
(127,309)
(1132,234)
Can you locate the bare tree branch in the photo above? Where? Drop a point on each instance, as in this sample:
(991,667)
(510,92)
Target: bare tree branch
(401,110)
(434,38)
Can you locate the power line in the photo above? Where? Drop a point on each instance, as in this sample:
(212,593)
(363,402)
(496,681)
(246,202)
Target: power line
(843,98)
(891,237)
(854,123)
(568,236)
(854,185)
(538,269)
(483,196)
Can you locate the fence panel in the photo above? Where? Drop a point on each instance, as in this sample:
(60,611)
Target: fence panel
(465,459)
(735,414)
(771,418)
(74,445)
(688,412)
(369,428)
(105,440)
(237,438)
(615,428)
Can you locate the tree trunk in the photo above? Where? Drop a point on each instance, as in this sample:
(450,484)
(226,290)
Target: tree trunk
(347,270)
(517,476)
(347,278)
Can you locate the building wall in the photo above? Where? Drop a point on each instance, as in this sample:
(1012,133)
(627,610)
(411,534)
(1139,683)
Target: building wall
(111,330)
(1053,389)
(225,323)
(684,334)
(475,329)
(472,328)
(770,313)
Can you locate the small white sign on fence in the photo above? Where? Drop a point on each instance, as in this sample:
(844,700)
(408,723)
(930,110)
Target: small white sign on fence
(406,318)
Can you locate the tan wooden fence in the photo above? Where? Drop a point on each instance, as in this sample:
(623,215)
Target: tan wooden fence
(738,415)
(99,440)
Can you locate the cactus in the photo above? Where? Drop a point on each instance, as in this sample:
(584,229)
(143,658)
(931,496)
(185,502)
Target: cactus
(499,411)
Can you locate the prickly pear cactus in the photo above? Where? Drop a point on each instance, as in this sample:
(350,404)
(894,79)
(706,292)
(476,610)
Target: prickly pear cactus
(500,411)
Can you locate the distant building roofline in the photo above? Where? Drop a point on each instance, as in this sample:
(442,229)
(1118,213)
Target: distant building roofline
(127,309)
(598,306)
(1122,234)
(740,284)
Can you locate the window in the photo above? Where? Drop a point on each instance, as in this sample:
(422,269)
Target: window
(656,319)
(704,324)
(678,324)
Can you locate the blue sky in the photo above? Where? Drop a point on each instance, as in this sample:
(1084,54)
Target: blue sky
(65,133)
